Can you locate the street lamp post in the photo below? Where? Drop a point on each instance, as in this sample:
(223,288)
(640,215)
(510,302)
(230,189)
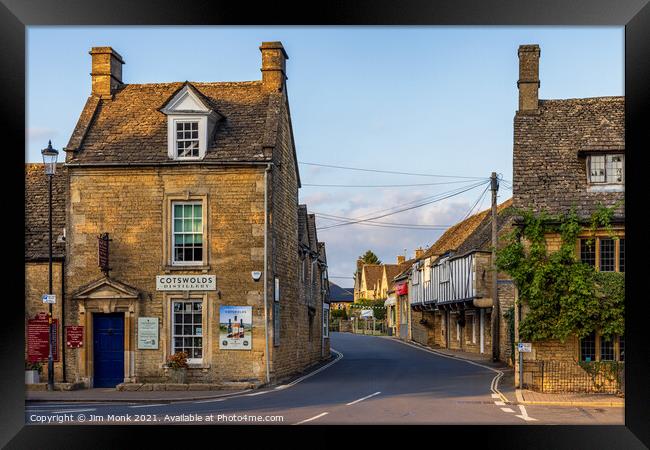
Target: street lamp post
(49,161)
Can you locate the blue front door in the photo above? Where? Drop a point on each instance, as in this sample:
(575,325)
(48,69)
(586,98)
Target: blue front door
(108,349)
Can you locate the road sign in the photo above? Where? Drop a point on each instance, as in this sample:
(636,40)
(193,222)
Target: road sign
(49,298)
(525,347)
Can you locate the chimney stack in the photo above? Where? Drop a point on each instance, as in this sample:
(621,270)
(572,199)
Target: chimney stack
(419,252)
(273,66)
(106,71)
(401,259)
(528,83)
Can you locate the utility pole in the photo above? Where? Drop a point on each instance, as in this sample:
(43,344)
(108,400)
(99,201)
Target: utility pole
(494,186)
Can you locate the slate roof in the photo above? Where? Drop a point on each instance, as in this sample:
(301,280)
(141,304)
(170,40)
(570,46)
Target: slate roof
(549,167)
(455,235)
(339,294)
(36,211)
(481,237)
(392,270)
(131,129)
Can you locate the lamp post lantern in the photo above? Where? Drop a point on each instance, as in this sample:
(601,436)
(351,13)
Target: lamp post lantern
(50,156)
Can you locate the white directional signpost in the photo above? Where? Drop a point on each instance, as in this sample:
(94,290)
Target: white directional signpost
(523,347)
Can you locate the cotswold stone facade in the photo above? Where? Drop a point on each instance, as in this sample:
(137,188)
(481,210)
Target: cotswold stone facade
(569,154)
(178,175)
(450,288)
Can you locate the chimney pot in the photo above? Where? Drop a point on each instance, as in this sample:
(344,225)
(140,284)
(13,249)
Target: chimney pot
(106,71)
(401,259)
(273,69)
(528,82)
(419,252)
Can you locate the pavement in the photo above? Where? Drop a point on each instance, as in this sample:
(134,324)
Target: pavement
(113,395)
(373,380)
(527,397)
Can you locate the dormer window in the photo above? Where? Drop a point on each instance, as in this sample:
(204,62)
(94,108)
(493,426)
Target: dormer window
(606,169)
(187,139)
(190,124)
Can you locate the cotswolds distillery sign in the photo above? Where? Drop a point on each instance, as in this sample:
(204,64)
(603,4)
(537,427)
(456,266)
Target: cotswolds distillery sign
(186,282)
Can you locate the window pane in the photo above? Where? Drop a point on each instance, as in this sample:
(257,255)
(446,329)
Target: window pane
(606,349)
(614,168)
(178,329)
(178,210)
(198,254)
(178,343)
(187,210)
(187,330)
(197,226)
(588,252)
(606,255)
(621,256)
(178,225)
(588,347)
(198,210)
(197,353)
(187,342)
(597,168)
(621,348)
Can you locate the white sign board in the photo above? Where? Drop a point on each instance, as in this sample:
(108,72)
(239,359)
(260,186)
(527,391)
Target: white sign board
(525,347)
(186,282)
(366,314)
(235,327)
(49,298)
(148,333)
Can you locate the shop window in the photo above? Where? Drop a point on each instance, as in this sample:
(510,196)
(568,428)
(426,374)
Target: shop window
(607,252)
(588,347)
(187,328)
(187,233)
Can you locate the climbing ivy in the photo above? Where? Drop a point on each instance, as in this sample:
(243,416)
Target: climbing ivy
(564,296)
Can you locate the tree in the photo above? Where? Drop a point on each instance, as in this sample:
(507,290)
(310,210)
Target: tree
(370,258)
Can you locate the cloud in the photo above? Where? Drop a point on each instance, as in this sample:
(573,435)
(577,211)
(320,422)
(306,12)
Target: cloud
(344,244)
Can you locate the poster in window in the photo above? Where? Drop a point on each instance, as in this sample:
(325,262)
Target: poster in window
(235,327)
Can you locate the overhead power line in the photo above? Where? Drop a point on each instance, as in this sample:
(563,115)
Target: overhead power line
(347,219)
(440,198)
(383,185)
(388,171)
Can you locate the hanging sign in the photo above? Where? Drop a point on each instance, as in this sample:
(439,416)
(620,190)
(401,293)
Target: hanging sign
(147,333)
(102,252)
(38,334)
(186,282)
(235,327)
(74,336)
(402,289)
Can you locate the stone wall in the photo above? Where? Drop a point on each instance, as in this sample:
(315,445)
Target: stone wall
(37,284)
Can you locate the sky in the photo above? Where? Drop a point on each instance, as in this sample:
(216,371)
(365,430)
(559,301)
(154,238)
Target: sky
(435,100)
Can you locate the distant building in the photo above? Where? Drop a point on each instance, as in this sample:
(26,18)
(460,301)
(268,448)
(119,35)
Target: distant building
(340,298)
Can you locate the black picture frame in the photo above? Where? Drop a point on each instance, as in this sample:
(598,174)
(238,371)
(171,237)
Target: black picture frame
(15,15)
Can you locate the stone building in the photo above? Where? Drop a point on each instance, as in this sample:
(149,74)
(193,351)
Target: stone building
(196,186)
(570,154)
(37,254)
(450,288)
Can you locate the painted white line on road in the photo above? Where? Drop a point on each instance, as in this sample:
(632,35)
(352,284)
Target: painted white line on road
(507,410)
(524,414)
(211,400)
(363,398)
(72,410)
(148,406)
(339,356)
(500,403)
(495,396)
(256,393)
(494,385)
(312,418)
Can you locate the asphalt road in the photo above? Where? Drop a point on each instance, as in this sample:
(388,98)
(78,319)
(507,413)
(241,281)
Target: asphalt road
(375,380)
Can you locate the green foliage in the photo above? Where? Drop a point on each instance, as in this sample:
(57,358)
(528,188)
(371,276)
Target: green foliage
(379,310)
(339,313)
(370,258)
(509,315)
(564,295)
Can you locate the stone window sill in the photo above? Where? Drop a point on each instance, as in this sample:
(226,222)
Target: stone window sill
(203,268)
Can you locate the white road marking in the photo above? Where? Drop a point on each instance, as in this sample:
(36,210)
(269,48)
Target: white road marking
(524,414)
(507,410)
(147,406)
(312,418)
(339,356)
(256,393)
(495,396)
(500,403)
(494,386)
(211,400)
(363,398)
(72,410)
